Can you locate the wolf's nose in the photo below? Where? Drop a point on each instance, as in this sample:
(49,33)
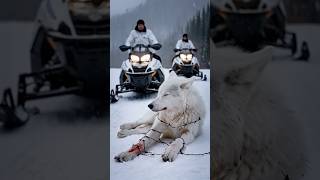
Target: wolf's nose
(150,106)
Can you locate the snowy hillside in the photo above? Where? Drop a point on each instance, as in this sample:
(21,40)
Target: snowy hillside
(132,106)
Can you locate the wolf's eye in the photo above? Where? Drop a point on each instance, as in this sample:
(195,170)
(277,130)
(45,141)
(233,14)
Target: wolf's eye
(165,95)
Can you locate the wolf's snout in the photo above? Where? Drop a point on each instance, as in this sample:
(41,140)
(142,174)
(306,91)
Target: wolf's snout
(150,106)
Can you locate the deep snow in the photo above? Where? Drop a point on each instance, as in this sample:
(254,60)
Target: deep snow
(132,106)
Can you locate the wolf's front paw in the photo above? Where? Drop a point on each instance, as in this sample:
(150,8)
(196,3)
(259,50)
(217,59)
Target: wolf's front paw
(172,151)
(128,126)
(123,133)
(125,156)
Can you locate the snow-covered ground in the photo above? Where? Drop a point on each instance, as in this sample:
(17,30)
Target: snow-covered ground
(132,106)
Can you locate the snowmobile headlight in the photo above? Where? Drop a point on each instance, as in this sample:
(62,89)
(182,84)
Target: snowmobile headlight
(183,57)
(134,58)
(145,58)
(189,57)
(186,57)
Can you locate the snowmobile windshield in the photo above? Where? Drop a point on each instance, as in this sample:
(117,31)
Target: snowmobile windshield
(186,51)
(140,48)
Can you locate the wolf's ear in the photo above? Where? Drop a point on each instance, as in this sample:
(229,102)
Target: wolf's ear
(172,74)
(249,70)
(187,83)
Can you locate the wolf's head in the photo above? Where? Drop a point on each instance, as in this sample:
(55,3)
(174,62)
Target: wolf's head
(172,94)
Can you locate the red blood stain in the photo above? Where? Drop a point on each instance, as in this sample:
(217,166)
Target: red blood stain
(137,148)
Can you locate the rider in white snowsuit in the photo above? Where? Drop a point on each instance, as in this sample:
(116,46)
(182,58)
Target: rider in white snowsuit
(142,35)
(184,43)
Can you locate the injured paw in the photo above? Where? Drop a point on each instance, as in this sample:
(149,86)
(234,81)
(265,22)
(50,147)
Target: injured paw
(172,151)
(133,152)
(125,156)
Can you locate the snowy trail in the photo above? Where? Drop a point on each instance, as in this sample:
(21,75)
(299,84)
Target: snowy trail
(130,108)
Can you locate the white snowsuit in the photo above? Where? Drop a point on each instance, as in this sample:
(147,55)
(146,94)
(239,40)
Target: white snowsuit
(184,45)
(146,38)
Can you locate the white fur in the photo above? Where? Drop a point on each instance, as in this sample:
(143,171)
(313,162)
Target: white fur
(254,137)
(177,104)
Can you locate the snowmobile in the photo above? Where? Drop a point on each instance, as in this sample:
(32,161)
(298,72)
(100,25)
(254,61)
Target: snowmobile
(69,52)
(185,63)
(251,24)
(141,72)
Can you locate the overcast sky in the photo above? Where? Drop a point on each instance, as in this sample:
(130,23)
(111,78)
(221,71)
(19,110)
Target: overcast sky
(120,6)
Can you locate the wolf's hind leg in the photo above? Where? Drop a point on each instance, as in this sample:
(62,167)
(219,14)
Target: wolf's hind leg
(142,129)
(147,119)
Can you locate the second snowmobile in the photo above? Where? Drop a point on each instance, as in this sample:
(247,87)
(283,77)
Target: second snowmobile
(185,63)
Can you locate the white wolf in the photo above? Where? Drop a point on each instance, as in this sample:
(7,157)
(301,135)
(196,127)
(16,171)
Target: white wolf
(177,113)
(253,137)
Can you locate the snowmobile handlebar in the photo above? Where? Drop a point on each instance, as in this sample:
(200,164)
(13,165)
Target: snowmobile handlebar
(184,49)
(153,46)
